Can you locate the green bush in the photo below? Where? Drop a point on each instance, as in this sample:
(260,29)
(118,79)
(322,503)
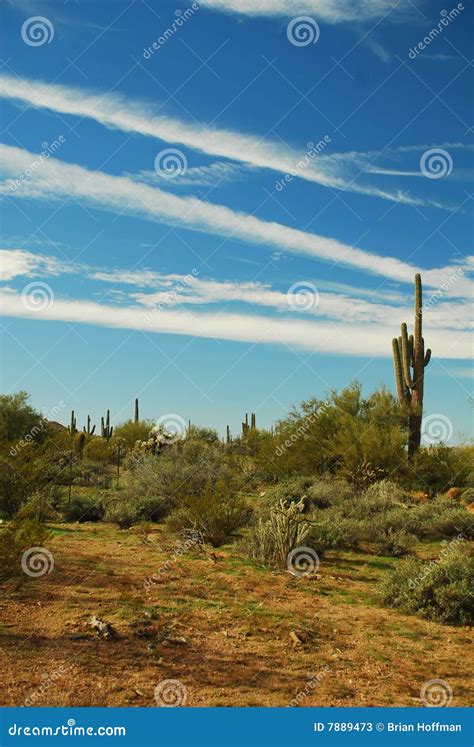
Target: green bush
(216,514)
(437,468)
(328,531)
(392,542)
(84,508)
(329,492)
(468,495)
(22,533)
(130,506)
(124,513)
(439,591)
(130,432)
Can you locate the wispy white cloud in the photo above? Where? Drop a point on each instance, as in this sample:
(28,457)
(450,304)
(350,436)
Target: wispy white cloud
(22,263)
(378,49)
(340,338)
(197,176)
(331,11)
(155,290)
(54,179)
(338,171)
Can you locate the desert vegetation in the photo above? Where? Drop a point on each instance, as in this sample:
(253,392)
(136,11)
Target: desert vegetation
(160,534)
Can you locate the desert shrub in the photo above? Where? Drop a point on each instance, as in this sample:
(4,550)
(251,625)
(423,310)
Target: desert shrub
(215,514)
(330,531)
(437,591)
(328,492)
(208,435)
(84,508)
(391,542)
(124,513)
(89,472)
(23,532)
(15,485)
(44,504)
(271,540)
(437,468)
(187,467)
(130,506)
(99,450)
(438,519)
(450,522)
(468,495)
(131,432)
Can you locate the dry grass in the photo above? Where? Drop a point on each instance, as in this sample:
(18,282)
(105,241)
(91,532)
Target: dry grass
(219,625)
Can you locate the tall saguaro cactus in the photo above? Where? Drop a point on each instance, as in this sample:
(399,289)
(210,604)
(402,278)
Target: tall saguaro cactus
(410,361)
(106,429)
(137,418)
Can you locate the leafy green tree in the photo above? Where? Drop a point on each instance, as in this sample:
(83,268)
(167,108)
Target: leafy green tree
(18,419)
(132,432)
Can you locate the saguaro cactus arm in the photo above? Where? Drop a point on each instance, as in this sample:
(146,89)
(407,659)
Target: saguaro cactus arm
(406,357)
(402,390)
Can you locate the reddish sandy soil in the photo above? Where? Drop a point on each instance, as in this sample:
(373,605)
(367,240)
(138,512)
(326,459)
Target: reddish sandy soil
(222,627)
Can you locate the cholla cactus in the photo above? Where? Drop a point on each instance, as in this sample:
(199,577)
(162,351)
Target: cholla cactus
(287,528)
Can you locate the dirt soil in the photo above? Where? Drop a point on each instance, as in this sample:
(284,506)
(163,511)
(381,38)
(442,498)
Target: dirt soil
(231,633)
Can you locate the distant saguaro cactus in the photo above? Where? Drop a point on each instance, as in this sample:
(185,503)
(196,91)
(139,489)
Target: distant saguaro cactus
(105,428)
(409,353)
(137,418)
(87,429)
(245,424)
(253,420)
(228,434)
(72,426)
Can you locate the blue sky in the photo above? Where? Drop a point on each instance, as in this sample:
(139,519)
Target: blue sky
(220,207)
